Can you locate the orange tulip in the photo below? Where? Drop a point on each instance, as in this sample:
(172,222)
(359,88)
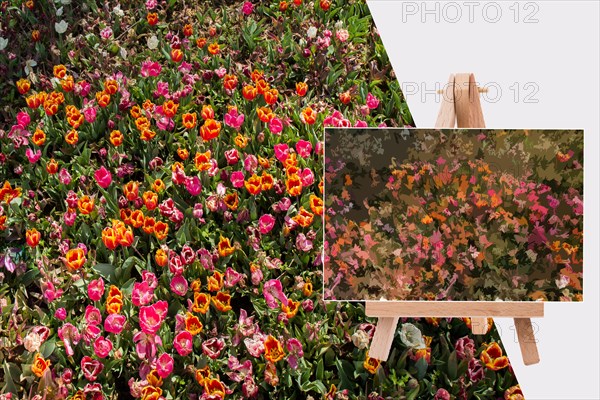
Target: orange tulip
(40,365)
(210,130)
(147,135)
(201,42)
(135,111)
(111,86)
(265,114)
(189,120)
(202,374)
(294,185)
(169,108)
(345,97)
(72,137)
(222,301)
(307,289)
(39,137)
(309,116)
(85,204)
(202,161)
(201,303)
(75,258)
(33,101)
(109,237)
(161,230)
(304,218)
(176,55)
(152,18)
(158,185)
(161,258)
(231,200)
(60,71)
(514,393)
(52,166)
(316,204)
(492,357)
(67,84)
(291,308)
(116,138)
(273,349)
(249,92)
(271,96)
(241,141)
(137,218)
(114,300)
(214,48)
(371,364)
(215,282)
(148,227)
(301,89)
(150,200)
(131,190)
(225,249)
(207,112)
(154,379)
(253,185)
(32,237)
(230,82)
(262,86)
(103,99)
(23,86)
(192,324)
(214,388)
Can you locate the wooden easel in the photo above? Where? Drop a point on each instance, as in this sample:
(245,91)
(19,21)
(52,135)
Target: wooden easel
(461,107)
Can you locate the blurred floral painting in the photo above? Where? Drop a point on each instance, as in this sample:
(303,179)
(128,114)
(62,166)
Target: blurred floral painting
(417,214)
(161,207)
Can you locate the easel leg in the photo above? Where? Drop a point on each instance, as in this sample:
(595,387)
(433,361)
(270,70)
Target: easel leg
(479,325)
(527,341)
(383,338)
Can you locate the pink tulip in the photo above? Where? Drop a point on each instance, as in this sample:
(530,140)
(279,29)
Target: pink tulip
(232,156)
(102,347)
(212,347)
(276,126)
(303,148)
(150,68)
(70,336)
(273,290)
(372,101)
(141,294)
(247,8)
(281,151)
(91,368)
(103,177)
(95,289)
(266,223)
(150,319)
(61,314)
(164,365)
(23,119)
(114,323)
(307,177)
(89,114)
(237,179)
(193,185)
(234,119)
(184,343)
(92,315)
(179,285)
(32,156)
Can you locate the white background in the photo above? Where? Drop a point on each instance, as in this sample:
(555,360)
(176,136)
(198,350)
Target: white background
(547,51)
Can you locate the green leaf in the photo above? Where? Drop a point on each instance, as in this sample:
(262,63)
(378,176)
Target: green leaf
(421,366)
(452,366)
(107,271)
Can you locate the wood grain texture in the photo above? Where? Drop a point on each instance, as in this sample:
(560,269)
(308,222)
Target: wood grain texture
(383,338)
(467,104)
(457,309)
(527,341)
(447,116)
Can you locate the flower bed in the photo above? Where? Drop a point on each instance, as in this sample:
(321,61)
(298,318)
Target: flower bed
(161,212)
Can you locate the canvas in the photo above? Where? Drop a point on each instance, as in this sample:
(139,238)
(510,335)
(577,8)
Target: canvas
(453,214)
